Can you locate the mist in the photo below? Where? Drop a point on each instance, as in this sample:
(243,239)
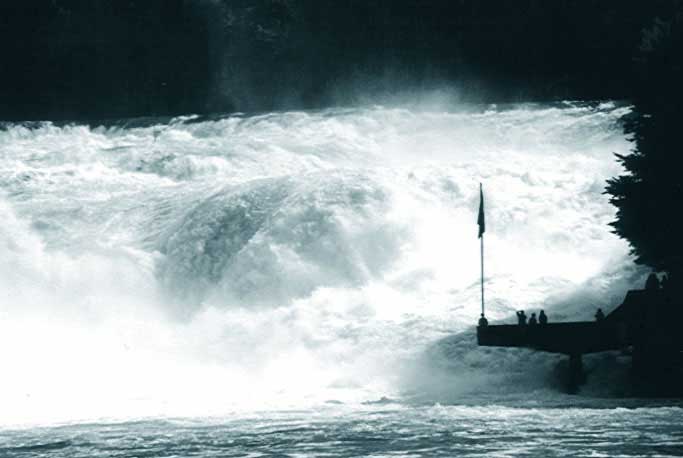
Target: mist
(202,267)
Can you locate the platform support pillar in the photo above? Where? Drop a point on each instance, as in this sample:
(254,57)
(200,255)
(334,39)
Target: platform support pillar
(576,375)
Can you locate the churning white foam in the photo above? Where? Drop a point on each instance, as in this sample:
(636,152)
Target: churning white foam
(287,259)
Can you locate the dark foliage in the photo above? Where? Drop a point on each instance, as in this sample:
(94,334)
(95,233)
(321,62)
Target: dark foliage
(308,53)
(112,58)
(101,58)
(649,198)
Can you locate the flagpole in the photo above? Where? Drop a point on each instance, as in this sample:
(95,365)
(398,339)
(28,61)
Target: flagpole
(482,274)
(482,256)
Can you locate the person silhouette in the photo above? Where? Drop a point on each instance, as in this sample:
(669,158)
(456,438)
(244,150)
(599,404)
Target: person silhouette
(483,322)
(532,320)
(522,317)
(652,282)
(542,318)
(599,316)
(665,282)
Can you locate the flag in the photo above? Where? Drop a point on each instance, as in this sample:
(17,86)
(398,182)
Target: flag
(481,220)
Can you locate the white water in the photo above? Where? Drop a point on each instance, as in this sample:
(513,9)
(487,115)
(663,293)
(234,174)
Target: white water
(285,260)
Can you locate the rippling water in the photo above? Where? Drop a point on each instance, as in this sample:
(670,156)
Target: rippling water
(497,431)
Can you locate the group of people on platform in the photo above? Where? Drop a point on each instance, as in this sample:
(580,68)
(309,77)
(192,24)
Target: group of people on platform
(653,284)
(533,321)
(522,319)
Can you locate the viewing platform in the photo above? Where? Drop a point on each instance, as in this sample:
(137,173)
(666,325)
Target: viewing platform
(646,325)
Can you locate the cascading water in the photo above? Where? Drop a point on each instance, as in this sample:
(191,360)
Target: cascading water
(199,267)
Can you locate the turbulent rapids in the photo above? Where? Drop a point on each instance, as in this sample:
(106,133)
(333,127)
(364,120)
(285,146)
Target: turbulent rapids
(201,266)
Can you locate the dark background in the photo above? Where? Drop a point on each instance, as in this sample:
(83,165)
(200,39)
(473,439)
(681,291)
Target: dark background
(94,59)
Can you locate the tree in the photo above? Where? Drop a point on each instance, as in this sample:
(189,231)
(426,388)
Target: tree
(649,197)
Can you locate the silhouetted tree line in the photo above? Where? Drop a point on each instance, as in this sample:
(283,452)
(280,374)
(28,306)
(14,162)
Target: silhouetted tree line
(649,197)
(113,58)
(101,58)
(308,53)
